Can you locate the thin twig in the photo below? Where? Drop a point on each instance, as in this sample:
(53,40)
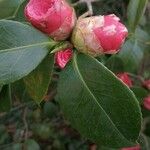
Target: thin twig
(88,13)
(90,8)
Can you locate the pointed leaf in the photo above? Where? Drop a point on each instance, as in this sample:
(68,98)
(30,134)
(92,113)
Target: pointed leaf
(131,54)
(22,48)
(136,9)
(140,93)
(19,91)
(8,8)
(115,64)
(37,82)
(19,16)
(97,104)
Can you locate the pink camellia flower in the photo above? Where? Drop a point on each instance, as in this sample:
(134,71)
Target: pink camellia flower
(99,35)
(53,17)
(132,148)
(146,102)
(63,57)
(146,84)
(125,78)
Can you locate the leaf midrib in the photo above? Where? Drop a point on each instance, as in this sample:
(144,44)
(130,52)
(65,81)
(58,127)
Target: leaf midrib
(84,83)
(22,47)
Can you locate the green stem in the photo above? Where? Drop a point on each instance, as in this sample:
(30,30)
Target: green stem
(61,46)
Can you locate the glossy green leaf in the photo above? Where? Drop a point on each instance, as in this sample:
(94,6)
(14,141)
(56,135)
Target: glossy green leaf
(131,54)
(37,82)
(9,8)
(135,11)
(22,48)
(5,98)
(19,16)
(140,93)
(115,64)
(142,36)
(97,104)
(19,91)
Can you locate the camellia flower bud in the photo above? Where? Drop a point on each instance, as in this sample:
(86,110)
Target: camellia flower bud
(132,148)
(146,84)
(53,17)
(63,57)
(99,35)
(125,78)
(146,102)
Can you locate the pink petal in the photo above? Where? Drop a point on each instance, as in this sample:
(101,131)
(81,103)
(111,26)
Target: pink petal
(146,102)
(146,84)
(51,15)
(63,57)
(111,35)
(132,148)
